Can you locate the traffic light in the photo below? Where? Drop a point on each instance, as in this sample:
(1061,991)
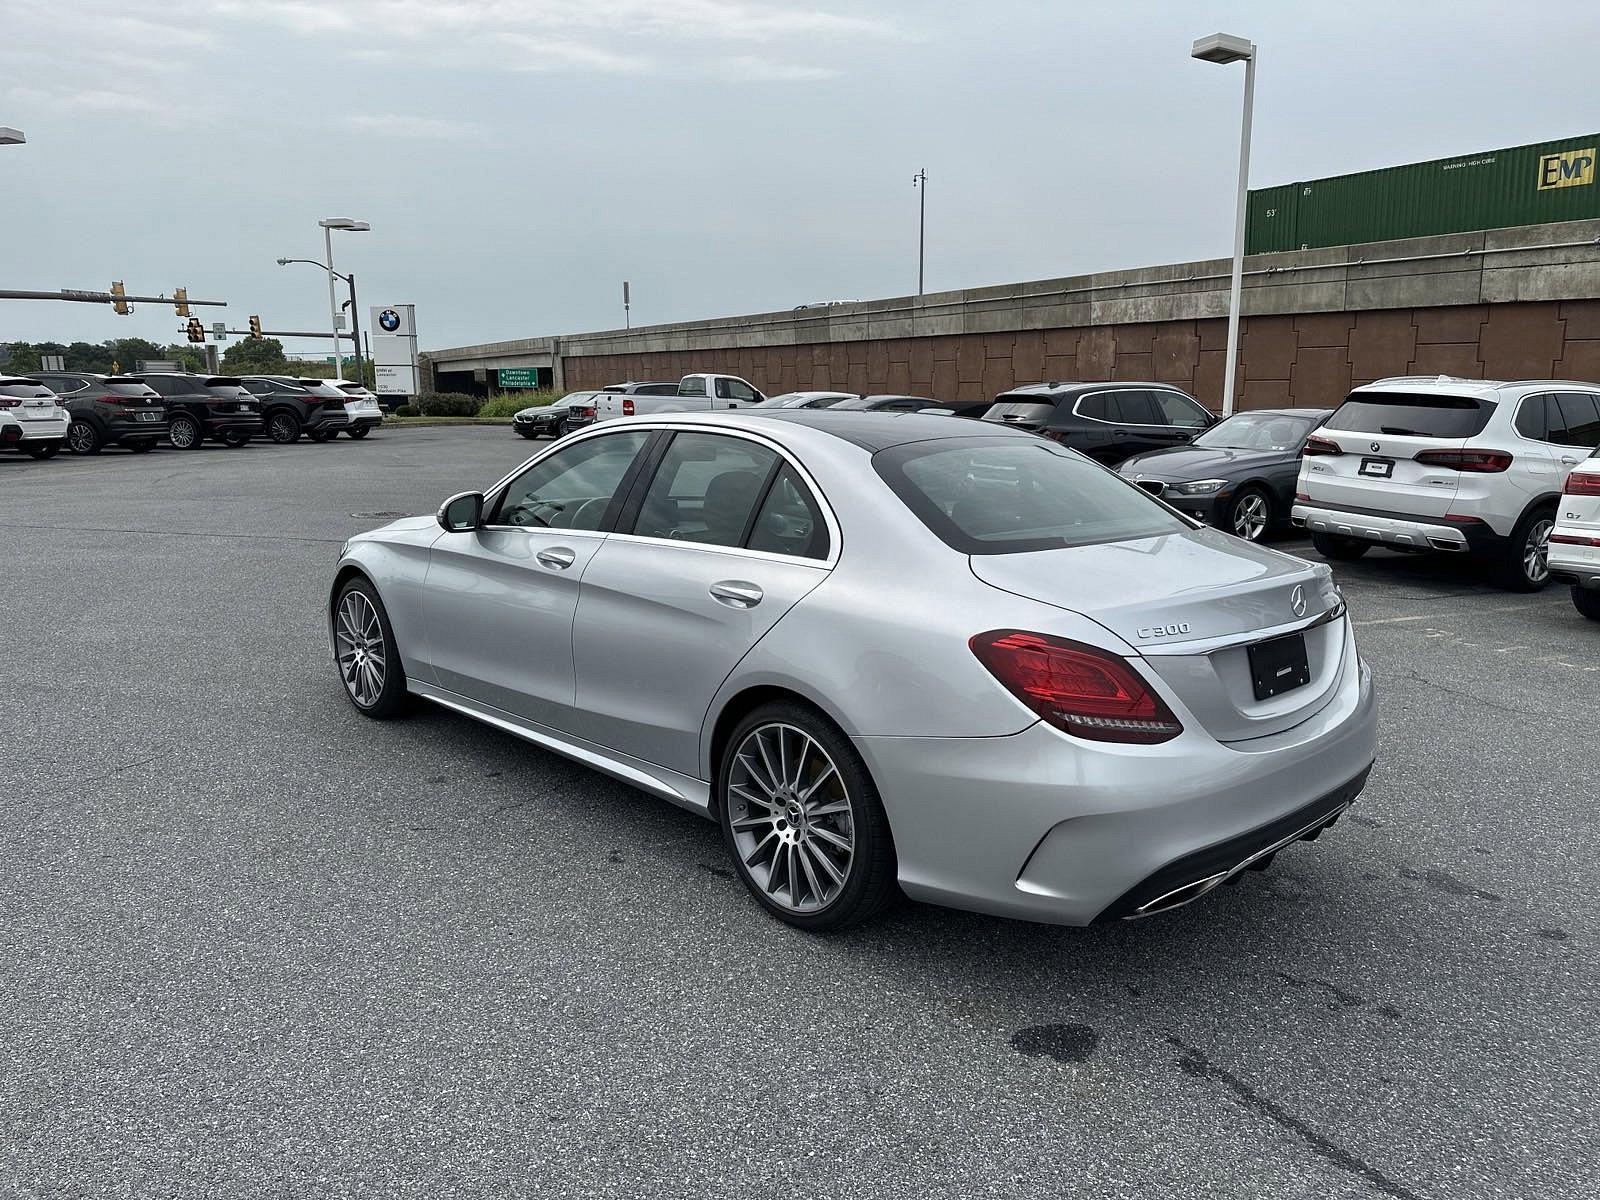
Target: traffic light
(195,330)
(119,303)
(180,301)
(255,328)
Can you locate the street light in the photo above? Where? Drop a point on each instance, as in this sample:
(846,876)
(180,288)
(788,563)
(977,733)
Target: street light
(328,226)
(355,313)
(10,136)
(1224,48)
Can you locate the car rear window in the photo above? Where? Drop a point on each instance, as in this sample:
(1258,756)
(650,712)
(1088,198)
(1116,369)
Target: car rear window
(26,391)
(1009,495)
(131,389)
(1019,410)
(1410,414)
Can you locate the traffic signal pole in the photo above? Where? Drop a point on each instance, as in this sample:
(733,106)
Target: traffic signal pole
(77,296)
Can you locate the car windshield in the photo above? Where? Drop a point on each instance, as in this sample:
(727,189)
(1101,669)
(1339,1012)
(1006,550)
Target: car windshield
(1258,431)
(1010,495)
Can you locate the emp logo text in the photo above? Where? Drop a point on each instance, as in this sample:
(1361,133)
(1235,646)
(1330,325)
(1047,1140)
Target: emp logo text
(1570,168)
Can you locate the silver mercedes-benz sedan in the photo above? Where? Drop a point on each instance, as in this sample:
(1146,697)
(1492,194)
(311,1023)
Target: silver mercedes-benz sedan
(887,653)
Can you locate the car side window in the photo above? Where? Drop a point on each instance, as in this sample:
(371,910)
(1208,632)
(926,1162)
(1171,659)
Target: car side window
(789,521)
(705,490)
(1531,421)
(1097,408)
(1136,408)
(1180,410)
(1580,419)
(572,488)
(692,387)
(737,390)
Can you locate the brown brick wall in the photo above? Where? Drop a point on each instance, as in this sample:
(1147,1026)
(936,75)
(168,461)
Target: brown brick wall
(1311,359)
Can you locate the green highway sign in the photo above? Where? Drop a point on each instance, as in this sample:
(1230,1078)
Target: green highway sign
(518,377)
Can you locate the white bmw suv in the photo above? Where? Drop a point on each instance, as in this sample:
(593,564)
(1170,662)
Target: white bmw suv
(1575,540)
(1462,466)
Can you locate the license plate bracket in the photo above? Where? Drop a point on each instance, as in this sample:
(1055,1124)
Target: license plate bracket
(1377,468)
(1279,666)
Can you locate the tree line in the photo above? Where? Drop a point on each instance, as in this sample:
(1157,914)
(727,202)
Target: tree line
(122,356)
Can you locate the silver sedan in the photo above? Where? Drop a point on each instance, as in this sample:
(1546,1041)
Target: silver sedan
(887,653)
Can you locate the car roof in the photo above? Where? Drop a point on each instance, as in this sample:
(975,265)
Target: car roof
(1451,385)
(1284,412)
(872,431)
(1054,388)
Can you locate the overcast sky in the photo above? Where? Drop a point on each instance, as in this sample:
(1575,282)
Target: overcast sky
(518,159)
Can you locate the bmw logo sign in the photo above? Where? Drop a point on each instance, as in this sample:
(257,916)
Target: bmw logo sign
(389,319)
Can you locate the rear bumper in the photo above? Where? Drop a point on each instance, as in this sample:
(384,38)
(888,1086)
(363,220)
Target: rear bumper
(1575,564)
(1400,530)
(44,431)
(1045,827)
(133,431)
(366,421)
(224,423)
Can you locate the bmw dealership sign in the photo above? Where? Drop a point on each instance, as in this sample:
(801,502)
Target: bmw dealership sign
(394,349)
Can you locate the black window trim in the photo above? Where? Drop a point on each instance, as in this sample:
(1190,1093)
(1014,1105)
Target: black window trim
(1138,387)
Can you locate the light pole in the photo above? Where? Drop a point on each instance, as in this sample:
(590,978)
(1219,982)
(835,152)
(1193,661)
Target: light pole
(920,182)
(10,136)
(328,226)
(1224,48)
(355,312)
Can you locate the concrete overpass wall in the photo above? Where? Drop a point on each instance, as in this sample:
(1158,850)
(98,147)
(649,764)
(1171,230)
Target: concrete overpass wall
(1511,303)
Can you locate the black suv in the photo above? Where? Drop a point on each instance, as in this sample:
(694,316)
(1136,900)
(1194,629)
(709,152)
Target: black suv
(206,406)
(1106,421)
(290,405)
(107,410)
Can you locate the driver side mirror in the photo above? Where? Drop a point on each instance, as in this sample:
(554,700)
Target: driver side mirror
(461,513)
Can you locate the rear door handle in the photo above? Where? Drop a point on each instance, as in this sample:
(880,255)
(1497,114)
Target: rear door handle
(557,558)
(1569,462)
(736,593)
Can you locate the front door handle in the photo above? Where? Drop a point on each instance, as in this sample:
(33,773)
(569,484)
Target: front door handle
(557,558)
(736,593)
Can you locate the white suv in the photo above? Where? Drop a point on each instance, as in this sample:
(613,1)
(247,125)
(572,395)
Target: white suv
(1575,541)
(31,418)
(1456,465)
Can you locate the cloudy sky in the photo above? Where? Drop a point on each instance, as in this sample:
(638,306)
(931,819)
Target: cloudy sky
(519,158)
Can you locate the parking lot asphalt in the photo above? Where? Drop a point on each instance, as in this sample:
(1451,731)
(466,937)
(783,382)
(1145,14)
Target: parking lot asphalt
(256,945)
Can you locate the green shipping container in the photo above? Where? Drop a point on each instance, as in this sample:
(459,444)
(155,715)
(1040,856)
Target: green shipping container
(1525,185)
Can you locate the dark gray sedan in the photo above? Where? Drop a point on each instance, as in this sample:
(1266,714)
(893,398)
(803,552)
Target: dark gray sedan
(1239,475)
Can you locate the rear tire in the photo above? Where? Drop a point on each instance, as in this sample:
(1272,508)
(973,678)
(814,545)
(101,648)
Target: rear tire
(1337,548)
(84,438)
(184,433)
(359,432)
(320,435)
(142,446)
(1523,564)
(802,820)
(234,440)
(283,428)
(1586,601)
(365,653)
(42,450)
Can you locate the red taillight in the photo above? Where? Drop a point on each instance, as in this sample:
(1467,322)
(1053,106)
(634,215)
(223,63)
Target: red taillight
(1087,692)
(1581,484)
(1482,462)
(1575,539)
(1317,446)
(627,406)
(586,410)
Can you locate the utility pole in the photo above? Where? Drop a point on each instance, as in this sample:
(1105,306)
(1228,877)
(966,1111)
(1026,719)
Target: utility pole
(627,320)
(920,182)
(355,329)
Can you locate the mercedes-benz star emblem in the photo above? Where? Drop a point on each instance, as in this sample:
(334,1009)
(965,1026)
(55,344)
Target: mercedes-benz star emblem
(390,320)
(1297,600)
(1374,444)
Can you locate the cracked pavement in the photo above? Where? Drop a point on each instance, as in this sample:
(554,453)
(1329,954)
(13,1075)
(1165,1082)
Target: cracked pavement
(258,946)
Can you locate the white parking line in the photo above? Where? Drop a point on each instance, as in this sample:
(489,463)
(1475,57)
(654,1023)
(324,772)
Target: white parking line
(1392,620)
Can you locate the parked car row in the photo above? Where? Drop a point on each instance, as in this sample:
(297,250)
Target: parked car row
(1421,464)
(86,412)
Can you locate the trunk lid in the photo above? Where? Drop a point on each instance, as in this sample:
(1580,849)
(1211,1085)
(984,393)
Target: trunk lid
(1193,604)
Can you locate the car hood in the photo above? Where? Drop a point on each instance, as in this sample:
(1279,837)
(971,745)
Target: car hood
(1194,585)
(1199,462)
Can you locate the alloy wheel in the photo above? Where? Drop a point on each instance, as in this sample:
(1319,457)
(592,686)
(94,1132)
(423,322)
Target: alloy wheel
(1250,517)
(282,428)
(1536,551)
(358,635)
(793,826)
(81,437)
(183,434)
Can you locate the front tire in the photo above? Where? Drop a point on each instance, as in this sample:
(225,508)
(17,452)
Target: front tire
(234,440)
(365,652)
(142,446)
(1250,515)
(283,428)
(42,450)
(320,436)
(1586,601)
(1523,564)
(185,433)
(802,820)
(84,438)
(1336,548)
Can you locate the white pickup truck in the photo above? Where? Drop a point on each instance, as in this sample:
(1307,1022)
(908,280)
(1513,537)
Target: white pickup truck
(696,393)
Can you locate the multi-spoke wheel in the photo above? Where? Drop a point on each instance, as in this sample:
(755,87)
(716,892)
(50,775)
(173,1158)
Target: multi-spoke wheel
(83,438)
(363,647)
(803,821)
(184,432)
(1524,564)
(1250,514)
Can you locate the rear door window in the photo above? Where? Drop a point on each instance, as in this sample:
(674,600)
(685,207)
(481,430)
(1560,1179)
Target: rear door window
(789,521)
(1412,414)
(1532,421)
(706,490)
(1136,408)
(1579,419)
